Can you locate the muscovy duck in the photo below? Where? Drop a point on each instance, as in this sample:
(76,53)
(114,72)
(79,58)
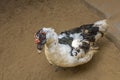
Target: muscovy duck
(58,47)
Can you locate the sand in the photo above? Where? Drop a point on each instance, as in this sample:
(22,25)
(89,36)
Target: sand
(19,60)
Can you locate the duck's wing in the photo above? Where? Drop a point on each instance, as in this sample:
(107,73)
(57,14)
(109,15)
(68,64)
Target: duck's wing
(65,39)
(77,29)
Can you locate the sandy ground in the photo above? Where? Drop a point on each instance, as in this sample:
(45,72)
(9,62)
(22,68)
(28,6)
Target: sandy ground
(20,19)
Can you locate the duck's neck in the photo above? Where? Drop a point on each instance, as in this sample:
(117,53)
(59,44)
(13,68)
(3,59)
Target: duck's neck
(52,39)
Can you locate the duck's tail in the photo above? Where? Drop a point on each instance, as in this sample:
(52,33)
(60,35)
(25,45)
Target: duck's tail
(87,57)
(102,24)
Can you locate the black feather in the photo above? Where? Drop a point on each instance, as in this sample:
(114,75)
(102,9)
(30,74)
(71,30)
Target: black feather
(85,46)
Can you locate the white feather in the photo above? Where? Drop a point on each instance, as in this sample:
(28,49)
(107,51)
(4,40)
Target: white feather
(102,24)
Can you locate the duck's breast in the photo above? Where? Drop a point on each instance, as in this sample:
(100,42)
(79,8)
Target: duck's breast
(60,56)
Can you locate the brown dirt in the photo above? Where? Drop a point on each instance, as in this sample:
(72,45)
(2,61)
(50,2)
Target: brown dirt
(20,19)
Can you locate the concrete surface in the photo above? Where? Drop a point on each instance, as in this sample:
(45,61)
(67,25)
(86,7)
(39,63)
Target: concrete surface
(109,9)
(19,60)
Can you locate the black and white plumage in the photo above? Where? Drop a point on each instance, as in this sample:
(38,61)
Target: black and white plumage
(85,34)
(88,31)
(58,48)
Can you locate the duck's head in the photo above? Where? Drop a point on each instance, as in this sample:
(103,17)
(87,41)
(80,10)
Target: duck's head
(40,39)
